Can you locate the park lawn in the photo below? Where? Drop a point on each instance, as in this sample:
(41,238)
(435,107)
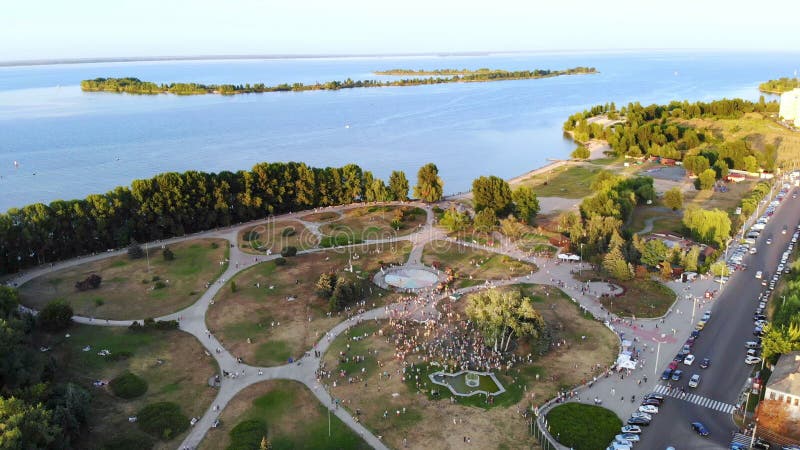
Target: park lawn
(583,427)
(758,130)
(294,418)
(642,298)
(269,236)
(568,181)
(276,320)
(325,216)
(536,242)
(726,201)
(128,289)
(664,219)
(374,222)
(428,423)
(181,378)
(471,264)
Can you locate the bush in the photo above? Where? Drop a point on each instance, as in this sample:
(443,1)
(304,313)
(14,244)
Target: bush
(159,285)
(163,420)
(152,324)
(128,386)
(247,435)
(119,356)
(580,152)
(168,254)
(99,302)
(214,245)
(583,427)
(135,251)
(91,282)
(288,251)
(56,316)
(280,261)
(288,231)
(130,442)
(233,286)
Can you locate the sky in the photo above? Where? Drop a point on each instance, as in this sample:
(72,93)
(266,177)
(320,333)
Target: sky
(55,29)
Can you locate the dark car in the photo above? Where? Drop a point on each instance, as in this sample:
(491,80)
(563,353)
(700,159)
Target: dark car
(641,421)
(667,373)
(700,429)
(676,375)
(655,395)
(695,334)
(705,363)
(679,357)
(651,402)
(761,444)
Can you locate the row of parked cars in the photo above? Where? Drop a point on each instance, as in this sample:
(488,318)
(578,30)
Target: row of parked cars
(630,433)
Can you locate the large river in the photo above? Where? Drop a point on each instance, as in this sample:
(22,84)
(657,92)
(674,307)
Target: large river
(69,144)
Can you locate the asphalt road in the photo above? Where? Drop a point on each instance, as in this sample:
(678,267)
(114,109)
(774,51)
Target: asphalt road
(722,340)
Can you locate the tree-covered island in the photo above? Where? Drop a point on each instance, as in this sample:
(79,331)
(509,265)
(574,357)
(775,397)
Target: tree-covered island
(779,86)
(487,74)
(132,85)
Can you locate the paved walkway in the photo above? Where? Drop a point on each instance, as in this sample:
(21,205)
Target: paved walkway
(614,391)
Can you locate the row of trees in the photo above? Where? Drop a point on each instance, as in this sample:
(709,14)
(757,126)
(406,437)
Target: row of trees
(131,85)
(651,130)
(780,85)
(35,412)
(173,204)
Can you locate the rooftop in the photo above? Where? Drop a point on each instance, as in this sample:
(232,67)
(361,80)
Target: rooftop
(786,375)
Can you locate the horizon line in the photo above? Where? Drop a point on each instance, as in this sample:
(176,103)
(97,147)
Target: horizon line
(444,54)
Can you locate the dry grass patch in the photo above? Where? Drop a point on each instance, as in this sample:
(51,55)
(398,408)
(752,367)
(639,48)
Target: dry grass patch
(375,222)
(473,266)
(277,307)
(128,289)
(325,216)
(273,236)
(426,423)
(181,376)
(726,201)
(294,419)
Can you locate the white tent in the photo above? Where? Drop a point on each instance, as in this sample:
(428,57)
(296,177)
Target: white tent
(568,257)
(624,361)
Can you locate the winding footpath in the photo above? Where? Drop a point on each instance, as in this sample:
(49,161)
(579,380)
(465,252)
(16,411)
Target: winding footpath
(192,318)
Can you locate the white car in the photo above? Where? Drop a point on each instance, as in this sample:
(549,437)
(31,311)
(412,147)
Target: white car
(649,409)
(694,381)
(631,429)
(642,415)
(759,274)
(750,360)
(688,361)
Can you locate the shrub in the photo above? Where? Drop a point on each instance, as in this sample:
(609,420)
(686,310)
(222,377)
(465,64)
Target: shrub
(247,435)
(580,152)
(56,316)
(233,286)
(135,251)
(288,251)
(280,261)
(99,302)
(168,254)
(159,285)
(128,386)
(163,420)
(288,231)
(119,356)
(130,442)
(251,236)
(91,282)
(214,245)
(583,427)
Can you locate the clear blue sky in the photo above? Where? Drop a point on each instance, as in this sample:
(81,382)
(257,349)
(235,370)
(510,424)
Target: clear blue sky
(35,29)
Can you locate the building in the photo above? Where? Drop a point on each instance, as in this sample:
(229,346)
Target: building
(790,106)
(784,383)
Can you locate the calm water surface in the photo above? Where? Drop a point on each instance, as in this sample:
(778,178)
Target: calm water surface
(69,144)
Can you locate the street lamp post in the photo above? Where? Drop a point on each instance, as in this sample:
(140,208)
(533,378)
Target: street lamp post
(580,267)
(658,353)
(753,438)
(694,307)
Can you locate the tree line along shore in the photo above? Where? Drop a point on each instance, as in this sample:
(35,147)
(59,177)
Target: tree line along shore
(779,86)
(131,85)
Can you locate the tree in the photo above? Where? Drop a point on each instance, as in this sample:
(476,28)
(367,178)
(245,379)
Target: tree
(454,221)
(135,251)
(706,180)
(168,254)
(720,269)
(511,227)
(345,293)
(70,406)
(485,221)
(491,193)
(690,259)
(614,263)
(666,270)
(429,186)
(503,315)
(654,252)
(26,426)
(56,316)
(526,203)
(91,282)
(709,226)
(289,251)
(325,284)
(580,152)
(673,198)
(778,340)
(398,185)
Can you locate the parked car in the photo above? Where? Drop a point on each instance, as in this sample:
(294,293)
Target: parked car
(631,437)
(639,421)
(631,429)
(705,363)
(642,415)
(750,360)
(666,374)
(651,401)
(700,429)
(649,409)
(655,395)
(676,375)
(694,381)
(688,360)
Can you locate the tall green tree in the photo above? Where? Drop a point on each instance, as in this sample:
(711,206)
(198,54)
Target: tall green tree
(673,198)
(526,203)
(429,186)
(491,193)
(454,221)
(485,221)
(503,315)
(398,185)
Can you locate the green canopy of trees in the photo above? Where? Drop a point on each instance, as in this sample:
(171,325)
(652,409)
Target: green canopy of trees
(503,315)
(673,198)
(491,193)
(454,221)
(429,186)
(708,226)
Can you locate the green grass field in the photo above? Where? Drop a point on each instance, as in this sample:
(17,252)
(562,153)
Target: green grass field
(583,427)
(572,181)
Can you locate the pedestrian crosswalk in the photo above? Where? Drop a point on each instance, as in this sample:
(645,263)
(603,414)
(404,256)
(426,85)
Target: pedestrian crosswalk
(696,399)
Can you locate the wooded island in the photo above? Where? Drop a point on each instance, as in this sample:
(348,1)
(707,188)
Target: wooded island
(779,86)
(132,85)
